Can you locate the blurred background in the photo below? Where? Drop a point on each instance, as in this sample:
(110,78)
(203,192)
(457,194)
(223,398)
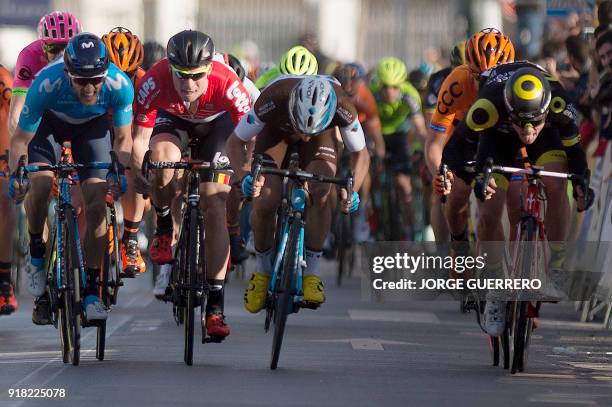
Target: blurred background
(345,30)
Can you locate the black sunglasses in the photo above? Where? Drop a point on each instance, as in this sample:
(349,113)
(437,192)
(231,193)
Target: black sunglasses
(95,81)
(193,76)
(522,123)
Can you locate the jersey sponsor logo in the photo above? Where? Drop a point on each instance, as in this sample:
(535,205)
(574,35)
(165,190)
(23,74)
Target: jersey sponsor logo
(88,44)
(142,118)
(117,82)
(49,87)
(145,89)
(447,98)
(238,97)
(344,114)
(266,107)
(25,73)
(128,108)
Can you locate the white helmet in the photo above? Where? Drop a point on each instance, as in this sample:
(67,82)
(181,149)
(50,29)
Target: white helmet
(312,105)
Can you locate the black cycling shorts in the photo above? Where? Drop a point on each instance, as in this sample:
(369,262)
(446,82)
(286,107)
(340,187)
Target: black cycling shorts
(457,152)
(91,141)
(398,157)
(201,141)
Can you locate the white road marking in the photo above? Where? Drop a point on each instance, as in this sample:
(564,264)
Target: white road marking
(393,316)
(365,343)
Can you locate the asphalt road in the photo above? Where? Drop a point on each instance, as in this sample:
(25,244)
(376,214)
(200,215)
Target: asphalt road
(350,352)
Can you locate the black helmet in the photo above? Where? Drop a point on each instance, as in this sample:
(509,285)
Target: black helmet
(527,94)
(153,52)
(190,49)
(86,56)
(235,64)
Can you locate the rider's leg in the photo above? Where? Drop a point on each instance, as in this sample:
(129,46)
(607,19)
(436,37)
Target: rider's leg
(404,187)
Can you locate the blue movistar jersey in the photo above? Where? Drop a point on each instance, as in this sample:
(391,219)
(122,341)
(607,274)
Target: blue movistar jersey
(52,91)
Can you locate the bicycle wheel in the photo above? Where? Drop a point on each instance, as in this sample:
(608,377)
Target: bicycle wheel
(72,297)
(115,266)
(522,333)
(494,342)
(283,297)
(344,241)
(191,282)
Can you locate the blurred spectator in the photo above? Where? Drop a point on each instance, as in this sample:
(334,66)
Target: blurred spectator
(310,41)
(603,94)
(576,80)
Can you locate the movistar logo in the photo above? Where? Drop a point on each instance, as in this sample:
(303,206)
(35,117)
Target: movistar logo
(49,87)
(89,44)
(117,82)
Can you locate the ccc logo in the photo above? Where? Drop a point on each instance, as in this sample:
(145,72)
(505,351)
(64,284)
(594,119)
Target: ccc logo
(447,99)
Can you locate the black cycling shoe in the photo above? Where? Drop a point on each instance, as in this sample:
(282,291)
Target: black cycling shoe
(41,314)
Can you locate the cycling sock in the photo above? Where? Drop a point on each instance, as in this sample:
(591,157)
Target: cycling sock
(313,258)
(37,245)
(5,273)
(463,236)
(264,261)
(214,305)
(557,254)
(130,230)
(93,276)
(164,220)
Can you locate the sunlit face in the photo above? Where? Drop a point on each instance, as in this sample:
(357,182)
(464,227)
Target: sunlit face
(605,54)
(390,94)
(190,85)
(87,89)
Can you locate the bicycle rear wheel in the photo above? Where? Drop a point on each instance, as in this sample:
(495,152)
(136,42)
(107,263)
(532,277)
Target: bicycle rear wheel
(283,297)
(191,278)
(72,293)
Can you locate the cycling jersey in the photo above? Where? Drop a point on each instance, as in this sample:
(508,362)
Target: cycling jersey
(225,92)
(489,113)
(458,92)
(394,117)
(248,84)
(51,90)
(272,109)
(30,61)
(6,83)
(365,103)
(433,89)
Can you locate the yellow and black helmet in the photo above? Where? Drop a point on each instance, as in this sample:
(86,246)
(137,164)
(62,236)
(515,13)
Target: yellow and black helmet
(527,95)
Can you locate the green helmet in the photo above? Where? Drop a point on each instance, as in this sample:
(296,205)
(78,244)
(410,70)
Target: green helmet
(391,71)
(298,61)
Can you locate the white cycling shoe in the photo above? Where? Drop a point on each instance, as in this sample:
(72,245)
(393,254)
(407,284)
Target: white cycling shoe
(162,280)
(36,276)
(495,317)
(94,310)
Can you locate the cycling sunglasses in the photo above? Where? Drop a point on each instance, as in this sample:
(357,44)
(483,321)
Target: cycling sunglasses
(81,81)
(54,48)
(195,74)
(522,123)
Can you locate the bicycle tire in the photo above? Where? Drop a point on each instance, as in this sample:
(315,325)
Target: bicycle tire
(191,281)
(505,342)
(116,263)
(101,341)
(494,343)
(72,271)
(522,320)
(283,298)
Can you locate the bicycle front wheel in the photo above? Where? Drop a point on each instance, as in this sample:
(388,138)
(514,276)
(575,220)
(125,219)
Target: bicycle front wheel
(283,296)
(191,278)
(72,294)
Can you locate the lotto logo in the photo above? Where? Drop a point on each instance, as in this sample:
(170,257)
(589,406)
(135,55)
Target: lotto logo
(145,89)
(239,98)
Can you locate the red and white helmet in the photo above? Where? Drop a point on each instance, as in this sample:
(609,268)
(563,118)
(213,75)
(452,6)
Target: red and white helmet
(58,27)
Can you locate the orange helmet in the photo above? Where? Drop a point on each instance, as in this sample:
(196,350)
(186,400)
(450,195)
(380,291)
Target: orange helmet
(487,48)
(124,49)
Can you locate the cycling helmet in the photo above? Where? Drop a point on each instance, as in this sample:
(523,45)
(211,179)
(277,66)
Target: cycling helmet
(58,27)
(457,56)
(527,95)
(488,48)
(348,75)
(153,52)
(391,71)
(298,61)
(312,105)
(124,49)
(235,64)
(86,56)
(418,79)
(190,49)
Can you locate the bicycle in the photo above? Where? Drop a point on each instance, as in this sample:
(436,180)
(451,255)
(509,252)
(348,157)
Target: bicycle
(527,256)
(188,287)
(343,229)
(285,290)
(64,257)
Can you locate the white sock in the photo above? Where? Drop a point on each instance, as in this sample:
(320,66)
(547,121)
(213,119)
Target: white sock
(312,262)
(264,261)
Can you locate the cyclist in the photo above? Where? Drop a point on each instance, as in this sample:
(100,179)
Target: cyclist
(399,109)
(457,58)
(301,113)
(8,301)
(297,61)
(69,100)
(153,53)
(522,106)
(483,51)
(187,99)
(127,52)
(54,31)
